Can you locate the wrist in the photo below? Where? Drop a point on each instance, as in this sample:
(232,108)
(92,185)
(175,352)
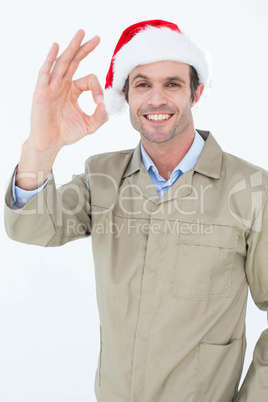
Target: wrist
(34,166)
(39,150)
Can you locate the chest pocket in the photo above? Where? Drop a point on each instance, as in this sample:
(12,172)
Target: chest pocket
(204,263)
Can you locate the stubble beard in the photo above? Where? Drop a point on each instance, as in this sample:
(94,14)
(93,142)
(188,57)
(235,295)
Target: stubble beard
(156,137)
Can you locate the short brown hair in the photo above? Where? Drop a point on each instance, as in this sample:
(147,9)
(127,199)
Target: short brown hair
(194,82)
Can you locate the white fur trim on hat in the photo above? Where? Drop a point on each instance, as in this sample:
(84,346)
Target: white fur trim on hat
(152,45)
(114,100)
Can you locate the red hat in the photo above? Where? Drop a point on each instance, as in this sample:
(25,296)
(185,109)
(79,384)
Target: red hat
(148,42)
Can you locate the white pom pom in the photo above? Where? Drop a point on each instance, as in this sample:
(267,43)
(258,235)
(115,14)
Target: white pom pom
(114,100)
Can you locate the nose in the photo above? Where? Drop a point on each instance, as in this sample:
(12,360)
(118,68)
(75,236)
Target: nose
(156,97)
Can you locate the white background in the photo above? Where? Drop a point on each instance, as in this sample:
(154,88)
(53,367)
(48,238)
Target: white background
(49,328)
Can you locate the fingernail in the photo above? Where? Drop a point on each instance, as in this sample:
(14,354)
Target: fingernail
(100,99)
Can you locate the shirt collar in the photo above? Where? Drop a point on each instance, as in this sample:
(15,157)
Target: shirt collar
(209,163)
(187,163)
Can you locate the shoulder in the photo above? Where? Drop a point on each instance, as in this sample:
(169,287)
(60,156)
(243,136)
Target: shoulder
(109,160)
(112,166)
(242,168)
(230,167)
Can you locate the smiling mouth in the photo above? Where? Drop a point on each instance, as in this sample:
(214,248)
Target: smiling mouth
(158,117)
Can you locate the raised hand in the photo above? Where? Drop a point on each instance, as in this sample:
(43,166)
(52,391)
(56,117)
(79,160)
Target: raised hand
(57,119)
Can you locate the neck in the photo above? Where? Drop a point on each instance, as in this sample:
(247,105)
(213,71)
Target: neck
(167,155)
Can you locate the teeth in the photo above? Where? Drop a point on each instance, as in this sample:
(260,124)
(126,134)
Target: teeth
(158,117)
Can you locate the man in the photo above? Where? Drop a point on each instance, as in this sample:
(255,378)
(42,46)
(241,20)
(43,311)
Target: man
(179,228)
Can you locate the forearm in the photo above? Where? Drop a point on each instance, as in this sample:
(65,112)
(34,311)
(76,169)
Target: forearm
(34,166)
(51,218)
(255,385)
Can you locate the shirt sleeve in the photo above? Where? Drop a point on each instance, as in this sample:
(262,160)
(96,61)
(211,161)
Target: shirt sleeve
(254,387)
(22,197)
(54,216)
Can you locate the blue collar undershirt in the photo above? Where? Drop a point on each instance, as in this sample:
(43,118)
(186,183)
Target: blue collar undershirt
(187,163)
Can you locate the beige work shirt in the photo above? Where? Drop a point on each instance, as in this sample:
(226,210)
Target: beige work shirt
(172,274)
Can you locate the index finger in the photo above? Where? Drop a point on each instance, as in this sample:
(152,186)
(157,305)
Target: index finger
(84,50)
(90,83)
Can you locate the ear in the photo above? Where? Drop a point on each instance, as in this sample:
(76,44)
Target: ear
(125,92)
(198,93)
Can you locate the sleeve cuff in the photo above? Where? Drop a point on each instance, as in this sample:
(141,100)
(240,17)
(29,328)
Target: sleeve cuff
(20,196)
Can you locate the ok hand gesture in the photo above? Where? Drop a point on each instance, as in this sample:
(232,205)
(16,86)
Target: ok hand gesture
(57,119)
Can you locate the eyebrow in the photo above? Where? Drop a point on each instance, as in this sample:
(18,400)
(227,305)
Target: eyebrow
(144,77)
(176,78)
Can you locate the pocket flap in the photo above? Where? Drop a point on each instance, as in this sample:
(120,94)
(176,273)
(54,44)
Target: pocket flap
(211,235)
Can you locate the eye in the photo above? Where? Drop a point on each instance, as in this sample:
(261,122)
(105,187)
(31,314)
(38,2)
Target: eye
(173,85)
(142,85)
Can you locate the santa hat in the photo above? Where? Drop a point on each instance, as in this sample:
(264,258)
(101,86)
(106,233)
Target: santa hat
(148,42)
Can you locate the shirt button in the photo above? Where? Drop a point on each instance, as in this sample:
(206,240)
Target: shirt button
(153,169)
(23,201)
(162,192)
